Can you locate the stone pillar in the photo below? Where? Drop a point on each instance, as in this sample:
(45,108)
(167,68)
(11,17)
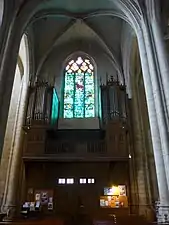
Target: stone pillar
(7,74)
(154,125)
(7,77)
(161,53)
(159,104)
(160,81)
(163,65)
(11,186)
(139,159)
(161,77)
(11,125)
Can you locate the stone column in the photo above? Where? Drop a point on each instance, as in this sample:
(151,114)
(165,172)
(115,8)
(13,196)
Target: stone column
(156,139)
(159,104)
(11,125)
(139,158)
(11,186)
(160,51)
(7,77)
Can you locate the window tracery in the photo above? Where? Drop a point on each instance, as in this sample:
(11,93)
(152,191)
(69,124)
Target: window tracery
(79,91)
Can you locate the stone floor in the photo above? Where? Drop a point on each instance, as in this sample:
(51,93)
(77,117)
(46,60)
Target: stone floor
(129,221)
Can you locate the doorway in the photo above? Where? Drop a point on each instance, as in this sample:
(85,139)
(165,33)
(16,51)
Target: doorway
(70,199)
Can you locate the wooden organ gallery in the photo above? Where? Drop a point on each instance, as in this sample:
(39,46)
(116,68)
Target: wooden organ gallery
(67,166)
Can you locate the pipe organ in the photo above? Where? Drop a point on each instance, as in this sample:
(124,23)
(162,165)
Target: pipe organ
(43,104)
(43,114)
(113,101)
(101,154)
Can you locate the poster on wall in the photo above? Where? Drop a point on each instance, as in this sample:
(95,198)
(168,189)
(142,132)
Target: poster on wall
(113,202)
(122,190)
(50,206)
(119,190)
(44,196)
(37,197)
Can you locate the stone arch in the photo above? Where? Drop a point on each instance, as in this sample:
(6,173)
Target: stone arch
(74,56)
(29,12)
(81,53)
(133,15)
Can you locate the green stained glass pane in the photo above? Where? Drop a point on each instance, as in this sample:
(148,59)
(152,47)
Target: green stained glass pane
(68,95)
(89,95)
(79,95)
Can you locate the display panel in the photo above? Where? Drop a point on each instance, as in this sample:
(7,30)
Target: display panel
(114,197)
(115,190)
(44,196)
(113,202)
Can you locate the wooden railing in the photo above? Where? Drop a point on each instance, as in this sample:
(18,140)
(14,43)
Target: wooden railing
(66,150)
(78,148)
(37,143)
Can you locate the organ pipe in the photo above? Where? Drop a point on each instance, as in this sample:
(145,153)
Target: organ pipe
(113,99)
(39,108)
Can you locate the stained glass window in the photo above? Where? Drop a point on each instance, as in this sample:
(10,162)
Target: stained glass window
(79,99)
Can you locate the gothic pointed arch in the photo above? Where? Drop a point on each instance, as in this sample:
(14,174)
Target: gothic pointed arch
(79,87)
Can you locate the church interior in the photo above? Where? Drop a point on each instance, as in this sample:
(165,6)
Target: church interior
(84,116)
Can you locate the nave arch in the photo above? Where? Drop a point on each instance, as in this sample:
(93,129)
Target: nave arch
(131,12)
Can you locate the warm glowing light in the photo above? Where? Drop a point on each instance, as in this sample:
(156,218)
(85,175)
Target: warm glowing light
(109,198)
(115,190)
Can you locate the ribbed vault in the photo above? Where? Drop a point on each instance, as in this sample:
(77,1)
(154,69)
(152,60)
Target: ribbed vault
(52,23)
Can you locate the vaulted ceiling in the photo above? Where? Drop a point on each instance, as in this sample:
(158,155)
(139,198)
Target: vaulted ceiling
(56,23)
(78,6)
(59,22)
(53,31)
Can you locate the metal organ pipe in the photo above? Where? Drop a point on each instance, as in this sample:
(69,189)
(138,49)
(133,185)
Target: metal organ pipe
(48,105)
(113,100)
(39,103)
(123,103)
(104,103)
(30,106)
